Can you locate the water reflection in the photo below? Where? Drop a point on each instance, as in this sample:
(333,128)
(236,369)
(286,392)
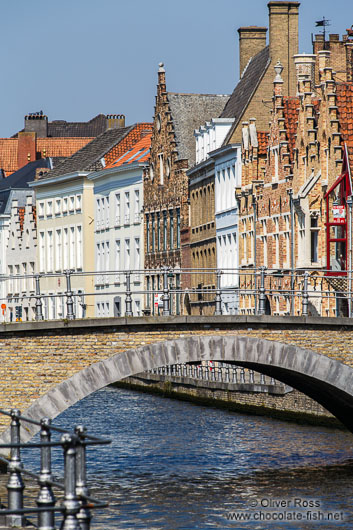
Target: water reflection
(173,465)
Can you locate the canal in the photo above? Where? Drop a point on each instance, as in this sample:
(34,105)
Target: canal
(174,465)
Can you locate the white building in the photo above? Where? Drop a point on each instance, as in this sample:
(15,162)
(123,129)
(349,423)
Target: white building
(118,231)
(227,178)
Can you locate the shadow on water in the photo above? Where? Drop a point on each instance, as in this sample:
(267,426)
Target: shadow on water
(173,465)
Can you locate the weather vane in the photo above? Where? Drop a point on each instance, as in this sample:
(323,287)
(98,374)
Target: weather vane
(323,23)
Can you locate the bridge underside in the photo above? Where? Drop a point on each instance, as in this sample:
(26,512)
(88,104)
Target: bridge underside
(327,381)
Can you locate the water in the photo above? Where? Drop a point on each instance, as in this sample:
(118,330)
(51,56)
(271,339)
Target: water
(173,465)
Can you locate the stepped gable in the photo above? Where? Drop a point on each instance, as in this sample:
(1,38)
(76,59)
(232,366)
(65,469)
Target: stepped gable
(189,112)
(344,93)
(89,157)
(246,88)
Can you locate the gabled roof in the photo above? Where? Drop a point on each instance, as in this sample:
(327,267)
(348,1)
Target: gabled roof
(138,153)
(76,129)
(189,112)
(344,93)
(246,88)
(89,157)
(25,174)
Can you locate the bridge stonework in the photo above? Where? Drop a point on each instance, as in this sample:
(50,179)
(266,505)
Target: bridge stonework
(47,366)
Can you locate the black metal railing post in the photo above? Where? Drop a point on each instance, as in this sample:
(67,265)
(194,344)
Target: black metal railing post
(39,305)
(15,485)
(128,298)
(45,499)
(166,295)
(70,503)
(70,315)
(305,295)
(218,298)
(84,515)
(262,295)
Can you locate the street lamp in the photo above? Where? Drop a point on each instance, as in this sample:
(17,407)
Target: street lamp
(350,203)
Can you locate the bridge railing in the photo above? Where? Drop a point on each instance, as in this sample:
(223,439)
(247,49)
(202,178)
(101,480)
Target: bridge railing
(76,502)
(166,291)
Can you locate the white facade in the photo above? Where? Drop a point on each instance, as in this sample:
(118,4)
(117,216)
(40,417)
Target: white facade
(211,136)
(118,238)
(227,178)
(65,242)
(21,249)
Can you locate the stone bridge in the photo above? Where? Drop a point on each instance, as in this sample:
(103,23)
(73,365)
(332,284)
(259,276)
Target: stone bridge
(48,366)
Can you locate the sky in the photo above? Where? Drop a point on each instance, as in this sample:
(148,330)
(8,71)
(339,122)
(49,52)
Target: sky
(74,59)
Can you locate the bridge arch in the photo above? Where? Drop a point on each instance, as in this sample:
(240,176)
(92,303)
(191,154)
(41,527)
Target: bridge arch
(327,381)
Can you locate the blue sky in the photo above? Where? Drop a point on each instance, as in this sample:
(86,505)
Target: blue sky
(74,59)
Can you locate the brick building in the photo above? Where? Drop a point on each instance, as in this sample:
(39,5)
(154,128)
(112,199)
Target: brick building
(308,159)
(166,192)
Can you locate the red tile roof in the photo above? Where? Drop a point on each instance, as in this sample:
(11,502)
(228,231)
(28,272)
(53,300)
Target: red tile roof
(139,152)
(139,130)
(291,112)
(262,138)
(8,155)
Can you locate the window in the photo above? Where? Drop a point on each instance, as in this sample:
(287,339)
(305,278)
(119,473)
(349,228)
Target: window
(78,202)
(158,231)
(50,251)
(98,214)
(107,213)
(79,247)
(153,232)
(147,232)
(57,206)
(167,169)
(58,249)
(41,252)
(32,280)
(151,172)
(161,169)
(127,208)
(127,254)
(117,210)
(107,260)
(314,237)
(71,203)
(41,209)
(276,240)
(24,279)
(117,260)
(178,228)
(164,230)
(66,248)
(98,257)
(137,206)
(49,208)
(171,229)
(72,248)
(137,264)
(65,204)
(10,271)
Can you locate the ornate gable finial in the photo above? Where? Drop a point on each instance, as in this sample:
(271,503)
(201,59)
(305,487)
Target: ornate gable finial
(278,69)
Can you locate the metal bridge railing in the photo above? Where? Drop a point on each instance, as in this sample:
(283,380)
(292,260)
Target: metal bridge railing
(167,291)
(76,504)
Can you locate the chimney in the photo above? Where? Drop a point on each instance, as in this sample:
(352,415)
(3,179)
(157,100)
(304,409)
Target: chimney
(37,122)
(305,70)
(252,40)
(26,148)
(284,40)
(115,121)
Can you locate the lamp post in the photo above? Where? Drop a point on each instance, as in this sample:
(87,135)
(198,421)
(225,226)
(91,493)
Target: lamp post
(254,204)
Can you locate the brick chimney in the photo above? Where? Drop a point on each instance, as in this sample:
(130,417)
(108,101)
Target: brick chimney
(305,70)
(37,122)
(252,40)
(115,121)
(26,148)
(283,19)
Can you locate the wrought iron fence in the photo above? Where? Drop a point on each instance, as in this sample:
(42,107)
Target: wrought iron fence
(167,291)
(76,503)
